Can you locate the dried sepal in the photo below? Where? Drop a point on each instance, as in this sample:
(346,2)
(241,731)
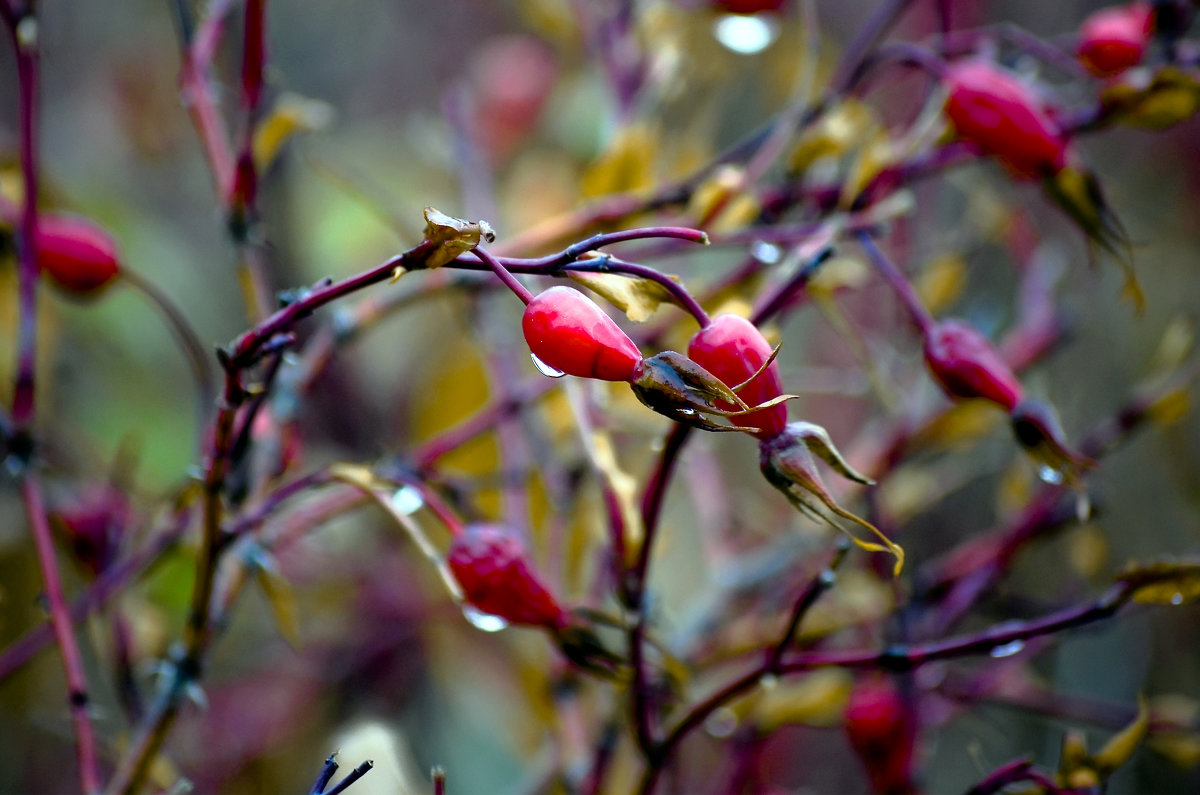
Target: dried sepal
(448,237)
(638,298)
(1080,770)
(787,463)
(1164,582)
(673,385)
(1038,431)
(1166,98)
(1077,191)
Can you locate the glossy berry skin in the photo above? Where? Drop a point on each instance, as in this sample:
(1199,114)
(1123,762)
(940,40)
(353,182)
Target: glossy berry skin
(881,730)
(967,366)
(492,567)
(1115,39)
(77,255)
(568,331)
(993,109)
(733,349)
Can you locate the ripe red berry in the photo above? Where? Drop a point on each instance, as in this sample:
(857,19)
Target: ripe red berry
(881,730)
(733,349)
(567,331)
(967,366)
(1114,39)
(992,108)
(77,255)
(496,576)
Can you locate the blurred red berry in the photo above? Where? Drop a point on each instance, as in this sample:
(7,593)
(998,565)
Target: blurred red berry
(993,109)
(882,732)
(492,567)
(567,331)
(967,366)
(76,254)
(93,522)
(1115,39)
(733,349)
(748,6)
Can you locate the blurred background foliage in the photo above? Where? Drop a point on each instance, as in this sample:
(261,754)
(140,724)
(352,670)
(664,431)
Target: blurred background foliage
(384,666)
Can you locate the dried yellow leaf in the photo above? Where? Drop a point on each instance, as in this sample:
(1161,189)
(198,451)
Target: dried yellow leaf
(452,236)
(291,114)
(1164,583)
(636,297)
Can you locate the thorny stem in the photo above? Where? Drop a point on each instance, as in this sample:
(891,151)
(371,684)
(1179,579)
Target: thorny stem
(23,28)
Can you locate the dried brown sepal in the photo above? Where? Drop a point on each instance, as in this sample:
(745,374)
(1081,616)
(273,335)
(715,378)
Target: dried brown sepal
(787,463)
(1077,191)
(1164,582)
(1038,432)
(673,385)
(447,237)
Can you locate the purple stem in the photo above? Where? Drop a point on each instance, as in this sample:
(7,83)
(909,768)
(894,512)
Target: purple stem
(502,273)
(899,283)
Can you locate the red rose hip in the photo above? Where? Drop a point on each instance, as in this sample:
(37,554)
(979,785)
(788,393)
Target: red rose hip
(993,109)
(493,569)
(77,255)
(567,331)
(967,366)
(733,349)
(881,730)
(1114,39)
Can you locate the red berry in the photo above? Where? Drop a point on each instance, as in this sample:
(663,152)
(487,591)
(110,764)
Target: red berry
(748,6)
(1003,116)
(1114,39)
(967,366)
(880,728)
(496,576)
(733,349)
(77,255)
(567,331)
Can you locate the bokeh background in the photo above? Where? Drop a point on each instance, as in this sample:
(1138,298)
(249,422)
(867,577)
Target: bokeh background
(386,667)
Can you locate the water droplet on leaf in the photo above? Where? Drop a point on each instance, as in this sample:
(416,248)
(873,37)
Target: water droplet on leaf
(407,500)
(1177,599)
(1008,649)
(745,34)
(484,621)
(546,369)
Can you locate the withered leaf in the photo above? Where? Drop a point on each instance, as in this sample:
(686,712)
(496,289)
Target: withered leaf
(1163,583)
(638,298)
(450,236)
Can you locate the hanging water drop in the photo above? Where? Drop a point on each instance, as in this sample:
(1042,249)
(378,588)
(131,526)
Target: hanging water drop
(1177,599)
(1007,649)
(1083,507)
(407,500)
(484,621)
(1048,474)
(545,369)
(746,34)
(766,253)
(721,723)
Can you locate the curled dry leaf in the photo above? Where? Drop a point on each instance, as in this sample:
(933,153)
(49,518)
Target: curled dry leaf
(1163,583)
(450,236)
(638,298)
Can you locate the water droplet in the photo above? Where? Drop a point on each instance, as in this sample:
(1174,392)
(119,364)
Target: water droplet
(827,578)
(1177,599)
(768,681)
(407,500)
(546,369)
(746,34)
(484,621)
(721,723)
(1008,649)
(1049,474)
(1083,506)
(767,253)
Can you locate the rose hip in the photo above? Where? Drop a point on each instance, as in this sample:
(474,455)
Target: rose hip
(1115,39)
(733,349)
(967,366)
(76,254)
(493,569)
(566,330)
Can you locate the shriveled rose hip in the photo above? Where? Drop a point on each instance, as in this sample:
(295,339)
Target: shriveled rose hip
(493,569)
(1115,39)
(992,108)
(967,366)
(733,349)
(76,254)
(567,331)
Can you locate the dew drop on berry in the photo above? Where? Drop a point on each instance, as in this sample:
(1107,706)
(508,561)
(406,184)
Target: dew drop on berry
(1007,649)
(546,369)
(407,500)
(484,621)
(746,34)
